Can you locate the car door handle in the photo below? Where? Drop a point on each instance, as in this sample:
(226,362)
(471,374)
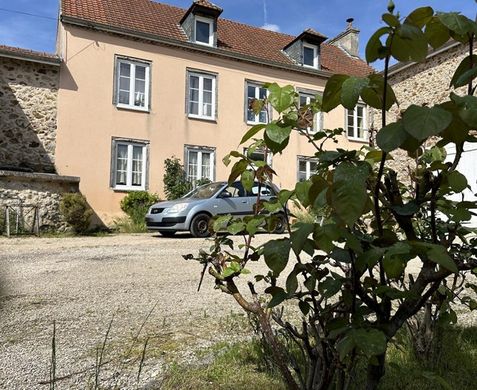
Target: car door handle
(244,201)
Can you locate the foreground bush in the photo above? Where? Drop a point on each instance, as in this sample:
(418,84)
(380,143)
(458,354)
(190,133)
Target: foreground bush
(76,211)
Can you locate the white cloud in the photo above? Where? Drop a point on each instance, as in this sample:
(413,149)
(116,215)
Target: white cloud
(271,27)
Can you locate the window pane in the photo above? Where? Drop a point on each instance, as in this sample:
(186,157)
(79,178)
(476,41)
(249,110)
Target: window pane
(194,108)
(250,115)
(207,97)
(303,100)
(313,166)
(139,96)
(121,164)
(192,166)
(262,93)
(124,83)
(140,72)
(124,69)
(202,31)
(207,110)
(308,56)
(137,166)
(262,118)
(206,165)
(123,97)
(194,82)
(251,92)
(194,95)
(207,84)
(350,123)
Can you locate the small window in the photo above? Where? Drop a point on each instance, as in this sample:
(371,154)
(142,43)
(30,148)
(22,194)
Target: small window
(129,165)
(317,120)
(310,56)
(201,95)
(132,84)
(265,190)
(200,164)
(306,167)
(356,123)
(204,33)
(255,92)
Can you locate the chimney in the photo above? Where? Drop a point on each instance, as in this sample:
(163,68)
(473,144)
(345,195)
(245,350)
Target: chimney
(348,40)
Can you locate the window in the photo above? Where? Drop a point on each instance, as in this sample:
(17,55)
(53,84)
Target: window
(129,165)
(200,164)
(255,92)
(306,167)
(310,56)
(132,84)
(204,33)
(258,155)
(316,121)
(201,102)
(356,122)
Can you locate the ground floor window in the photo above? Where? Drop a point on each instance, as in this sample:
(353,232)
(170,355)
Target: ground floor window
(129,165)
(306,167)
(200,164)
(356,122)
(259,155)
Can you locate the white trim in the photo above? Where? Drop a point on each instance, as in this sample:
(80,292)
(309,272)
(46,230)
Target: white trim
(129,173)
(201,103)
(364,138)
(257,87)
(315,55)
(132,84)
(308,161)
(200,151)
(210,22)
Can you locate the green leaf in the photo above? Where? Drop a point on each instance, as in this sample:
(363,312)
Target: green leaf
(456,22)
(469,117)
(332,93)
(437,254)
(436,33)
(284,196)
(304,307)
(466,77)
(396,258)
(276,254)
(254,224)
(348,193)
(374,92)
(292,283)
(409,44)
(247,179)
(251,132)
(238,168)
(236,227)
(345,346)
(464,67)
(281,98)
(391,20)
(232,269)
(423,122)
(302,190)
(369,258)
(374,48)
(371,342)
(277,133)
(275,147)
(299,236)
(278,297)
(457,181)
(420,16)
(351,90)
(391,137)
(221,222)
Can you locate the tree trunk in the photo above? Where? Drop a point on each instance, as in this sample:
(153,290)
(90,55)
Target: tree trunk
(375,372)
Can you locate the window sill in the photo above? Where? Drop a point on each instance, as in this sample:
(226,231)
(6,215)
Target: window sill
(132,108)
(127,189)
(256,123)
(360,140)
(204,44)
(202,118)
(310,66)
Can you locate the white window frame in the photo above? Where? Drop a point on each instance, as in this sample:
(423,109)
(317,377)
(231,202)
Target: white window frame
(308,161)
(317,118)
(200,150)
(257,87)
(315,55)
(132,85)
(364,138)
(211,30)
(201,77)
(128,186)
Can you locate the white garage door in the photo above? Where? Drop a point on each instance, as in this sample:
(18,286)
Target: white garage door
(468,167)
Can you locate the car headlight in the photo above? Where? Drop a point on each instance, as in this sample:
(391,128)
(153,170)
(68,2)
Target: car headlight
(177,208)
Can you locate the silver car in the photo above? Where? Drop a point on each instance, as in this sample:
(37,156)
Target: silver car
(194,211)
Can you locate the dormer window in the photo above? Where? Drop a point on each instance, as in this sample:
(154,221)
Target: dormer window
(204,31)
(310,55)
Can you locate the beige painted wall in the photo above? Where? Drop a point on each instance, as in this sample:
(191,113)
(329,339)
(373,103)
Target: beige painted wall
(88,119)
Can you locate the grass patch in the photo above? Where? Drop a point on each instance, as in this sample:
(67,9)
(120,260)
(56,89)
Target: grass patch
(127,225)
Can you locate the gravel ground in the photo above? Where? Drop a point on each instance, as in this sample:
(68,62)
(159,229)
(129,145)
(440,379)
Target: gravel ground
(84,283)
(81,283)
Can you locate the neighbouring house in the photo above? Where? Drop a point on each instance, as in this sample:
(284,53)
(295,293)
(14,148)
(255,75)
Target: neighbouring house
(428,83)
(142,81)
(29,84)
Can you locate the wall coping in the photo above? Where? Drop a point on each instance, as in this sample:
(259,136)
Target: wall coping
(34,176)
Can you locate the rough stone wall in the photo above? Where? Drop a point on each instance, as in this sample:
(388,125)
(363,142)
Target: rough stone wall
(28,110)
(423,83)
(31,189)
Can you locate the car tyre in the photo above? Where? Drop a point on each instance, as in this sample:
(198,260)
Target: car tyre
(167,233)
(199,226)
(281,224)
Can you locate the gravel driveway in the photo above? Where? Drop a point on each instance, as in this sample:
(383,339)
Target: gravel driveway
(81,283)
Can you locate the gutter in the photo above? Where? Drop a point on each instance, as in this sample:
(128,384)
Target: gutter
(190,46)
(31,58)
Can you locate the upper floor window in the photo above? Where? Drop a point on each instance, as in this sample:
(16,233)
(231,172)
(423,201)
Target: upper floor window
(255,92)
(306,167)
(201,95)
(129,165)
(132,84)
(310,55)
(356,123)
(313,122)
(204,31)
(200,164)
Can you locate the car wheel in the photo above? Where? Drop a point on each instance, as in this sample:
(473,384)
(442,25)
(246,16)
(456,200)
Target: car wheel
(199,226)
(167,233)
(281,224)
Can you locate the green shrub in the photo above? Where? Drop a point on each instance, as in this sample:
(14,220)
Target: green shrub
(135,205)
(76,211)
(175,181)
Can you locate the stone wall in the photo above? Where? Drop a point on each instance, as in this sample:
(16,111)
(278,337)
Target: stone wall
(28,111)
(33,189)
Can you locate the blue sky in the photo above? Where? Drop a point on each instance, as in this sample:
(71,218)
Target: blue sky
(290,17)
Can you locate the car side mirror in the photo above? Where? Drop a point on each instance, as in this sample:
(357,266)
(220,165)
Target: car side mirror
(225,194)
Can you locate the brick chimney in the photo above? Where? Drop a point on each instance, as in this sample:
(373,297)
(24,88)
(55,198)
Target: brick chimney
(348,40)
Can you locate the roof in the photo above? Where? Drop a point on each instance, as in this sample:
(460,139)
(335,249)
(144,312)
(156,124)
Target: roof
(149,18)
(29,55)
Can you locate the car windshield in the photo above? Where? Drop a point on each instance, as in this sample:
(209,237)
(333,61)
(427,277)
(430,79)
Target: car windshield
(204,192)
